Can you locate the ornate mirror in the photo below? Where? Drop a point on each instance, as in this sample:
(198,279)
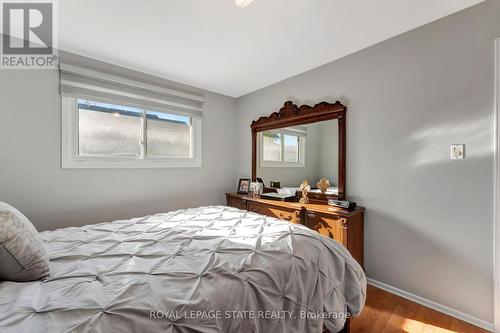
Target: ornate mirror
(300,143)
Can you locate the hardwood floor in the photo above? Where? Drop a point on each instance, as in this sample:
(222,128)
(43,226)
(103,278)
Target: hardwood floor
(386,313)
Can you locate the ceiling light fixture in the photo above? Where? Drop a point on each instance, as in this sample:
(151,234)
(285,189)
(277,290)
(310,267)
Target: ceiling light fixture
(242,3)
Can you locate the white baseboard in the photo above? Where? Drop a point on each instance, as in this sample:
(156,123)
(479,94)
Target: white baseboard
(435,306)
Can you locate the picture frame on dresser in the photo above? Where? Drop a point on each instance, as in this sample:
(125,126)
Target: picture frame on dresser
(243,186)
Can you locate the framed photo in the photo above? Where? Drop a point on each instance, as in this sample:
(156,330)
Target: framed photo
(275,184)
(243,185)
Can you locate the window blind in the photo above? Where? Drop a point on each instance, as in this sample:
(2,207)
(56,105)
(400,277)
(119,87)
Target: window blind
(295,131)
(85,83)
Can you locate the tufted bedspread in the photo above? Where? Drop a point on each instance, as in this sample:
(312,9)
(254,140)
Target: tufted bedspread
(207,269)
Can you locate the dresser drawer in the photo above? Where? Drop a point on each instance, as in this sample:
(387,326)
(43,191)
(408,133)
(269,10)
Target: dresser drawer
(329,226)
(278,212)
(346,231)
(236,202)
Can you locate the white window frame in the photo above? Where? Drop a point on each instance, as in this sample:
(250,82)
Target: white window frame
(71,159)
(282,164)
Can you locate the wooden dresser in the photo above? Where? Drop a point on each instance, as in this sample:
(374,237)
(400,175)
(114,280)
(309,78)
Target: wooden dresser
(346,227)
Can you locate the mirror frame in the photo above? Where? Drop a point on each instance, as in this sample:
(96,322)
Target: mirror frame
(293,115)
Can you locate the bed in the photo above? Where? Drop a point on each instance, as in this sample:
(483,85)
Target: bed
(206,269)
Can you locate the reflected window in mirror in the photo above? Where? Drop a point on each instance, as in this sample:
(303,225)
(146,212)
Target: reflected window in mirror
(291,151)
(282,148)
(291,154)
(271,147)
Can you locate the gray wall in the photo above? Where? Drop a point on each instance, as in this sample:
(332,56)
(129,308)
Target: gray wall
(328,145)
(31,178)
(429,221)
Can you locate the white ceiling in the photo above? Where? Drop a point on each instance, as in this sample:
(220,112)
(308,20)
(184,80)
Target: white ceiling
(214,45)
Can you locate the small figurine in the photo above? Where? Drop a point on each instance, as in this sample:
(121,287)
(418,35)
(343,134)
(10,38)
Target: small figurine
(305,188)
(323,185)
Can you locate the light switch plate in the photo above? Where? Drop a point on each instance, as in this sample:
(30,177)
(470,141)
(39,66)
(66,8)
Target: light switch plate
(457,151)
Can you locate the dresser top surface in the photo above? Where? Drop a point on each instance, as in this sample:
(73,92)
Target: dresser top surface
(312,207)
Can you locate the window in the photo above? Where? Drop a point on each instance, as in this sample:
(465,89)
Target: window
(282,148)
(118,118)
(108,130)
(105,135)
(168,135)
(272,146)
(291,151)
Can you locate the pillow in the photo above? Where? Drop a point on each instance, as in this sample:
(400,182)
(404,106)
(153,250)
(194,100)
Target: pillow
(22,254)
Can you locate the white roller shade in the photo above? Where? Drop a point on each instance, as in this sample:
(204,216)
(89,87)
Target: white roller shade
(86,83)
(295,131)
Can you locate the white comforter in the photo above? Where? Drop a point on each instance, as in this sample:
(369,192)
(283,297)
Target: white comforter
(208,269)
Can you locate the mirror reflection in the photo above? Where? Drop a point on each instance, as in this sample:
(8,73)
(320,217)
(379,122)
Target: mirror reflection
(287,156)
